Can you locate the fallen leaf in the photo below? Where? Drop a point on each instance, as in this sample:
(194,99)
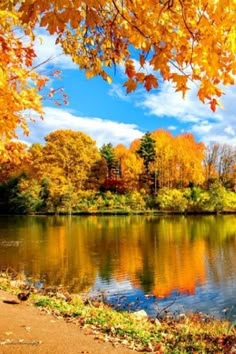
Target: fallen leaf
(8,333)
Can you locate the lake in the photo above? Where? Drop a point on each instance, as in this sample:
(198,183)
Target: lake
(182,263)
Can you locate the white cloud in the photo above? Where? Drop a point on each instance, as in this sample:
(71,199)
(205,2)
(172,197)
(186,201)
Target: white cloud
(146,69)
(118,91)
(188,114)
(229,130)
(50,53)
(101,130)
(171,127)
(202,128)
(168,103)
(199,119)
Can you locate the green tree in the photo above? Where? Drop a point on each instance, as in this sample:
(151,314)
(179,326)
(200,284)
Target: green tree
(108,153)
(20,196)
(217,197)
(44,192)
(147,150)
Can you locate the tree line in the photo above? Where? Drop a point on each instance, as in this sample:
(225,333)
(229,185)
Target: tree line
(69,173)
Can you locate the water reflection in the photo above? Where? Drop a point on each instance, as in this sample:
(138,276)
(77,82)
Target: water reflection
(191,256)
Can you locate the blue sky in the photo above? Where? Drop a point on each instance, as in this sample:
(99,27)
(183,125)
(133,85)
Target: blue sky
(107,114)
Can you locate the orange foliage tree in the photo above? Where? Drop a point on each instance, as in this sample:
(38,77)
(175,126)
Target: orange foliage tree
(20,86)
(67,155)
(165,161)
(181,41)
(190,155)
(131,167)
(18,159)
(178,159)
(63,165)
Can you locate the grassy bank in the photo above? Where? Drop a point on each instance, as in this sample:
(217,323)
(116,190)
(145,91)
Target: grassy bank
(194,333)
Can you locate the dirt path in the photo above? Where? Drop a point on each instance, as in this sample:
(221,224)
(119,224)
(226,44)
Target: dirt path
(26,330)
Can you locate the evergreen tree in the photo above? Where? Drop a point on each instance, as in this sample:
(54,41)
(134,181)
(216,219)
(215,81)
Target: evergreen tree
(147,150)
(108,154)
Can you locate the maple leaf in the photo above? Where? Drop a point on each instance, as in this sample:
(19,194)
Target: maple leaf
(140,77)
(41,82)
(150,82)
(90,73)
(130,69)
(201,95)
(181,83)
(213,103)
(130,85)
(50,21)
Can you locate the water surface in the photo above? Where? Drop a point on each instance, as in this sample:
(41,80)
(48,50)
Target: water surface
(141,261)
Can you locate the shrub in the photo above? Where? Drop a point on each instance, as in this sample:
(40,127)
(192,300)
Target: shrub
(171,199)
(217,197)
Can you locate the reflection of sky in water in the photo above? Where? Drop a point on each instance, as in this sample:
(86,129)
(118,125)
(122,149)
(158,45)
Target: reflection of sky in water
(209,299)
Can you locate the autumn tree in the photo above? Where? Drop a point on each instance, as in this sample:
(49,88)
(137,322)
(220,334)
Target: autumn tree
(20,86)
(65,162)
(190,155)
(131,166)
(219,163)
(164,164)
(15,159)
(178,160)
(135,145)
(72,153)
(97,175)
(181,41)
(226,165)
(210,163)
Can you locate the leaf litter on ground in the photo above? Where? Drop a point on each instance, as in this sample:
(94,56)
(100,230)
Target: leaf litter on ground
(191,333)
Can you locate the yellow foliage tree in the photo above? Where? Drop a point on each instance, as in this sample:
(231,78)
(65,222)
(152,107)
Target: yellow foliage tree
(182,41)
(178,159)
(14,165)
(19,84)
(164,165)
(131,167)
(190,155)
(67,158)
(64,164)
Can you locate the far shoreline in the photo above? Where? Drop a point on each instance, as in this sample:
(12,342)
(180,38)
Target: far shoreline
(119,212)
